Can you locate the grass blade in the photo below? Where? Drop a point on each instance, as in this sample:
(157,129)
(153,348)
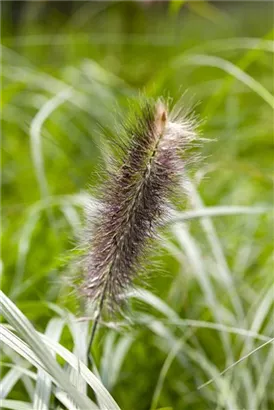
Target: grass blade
(230,68)
(43,384)
(15,405)
(24,328)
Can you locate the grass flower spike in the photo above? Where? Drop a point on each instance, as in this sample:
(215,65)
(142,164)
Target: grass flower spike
(134,201)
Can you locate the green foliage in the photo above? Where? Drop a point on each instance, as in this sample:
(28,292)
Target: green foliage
(68,78)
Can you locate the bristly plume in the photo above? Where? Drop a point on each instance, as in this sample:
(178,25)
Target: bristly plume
(134,201)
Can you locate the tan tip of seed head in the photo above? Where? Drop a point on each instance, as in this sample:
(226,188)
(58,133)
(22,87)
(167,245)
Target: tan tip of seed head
(160,117)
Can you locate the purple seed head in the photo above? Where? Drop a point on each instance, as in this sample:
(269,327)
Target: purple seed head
(134,201)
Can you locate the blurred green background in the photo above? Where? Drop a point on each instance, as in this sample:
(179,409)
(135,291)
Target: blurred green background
(69,70)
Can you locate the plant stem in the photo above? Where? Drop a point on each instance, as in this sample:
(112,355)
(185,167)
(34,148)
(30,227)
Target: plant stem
(95,324)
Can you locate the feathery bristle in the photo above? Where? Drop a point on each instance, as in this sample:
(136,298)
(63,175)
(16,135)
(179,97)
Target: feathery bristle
(134,202)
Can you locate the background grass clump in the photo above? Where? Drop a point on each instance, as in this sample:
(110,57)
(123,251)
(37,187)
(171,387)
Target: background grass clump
(69,70)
